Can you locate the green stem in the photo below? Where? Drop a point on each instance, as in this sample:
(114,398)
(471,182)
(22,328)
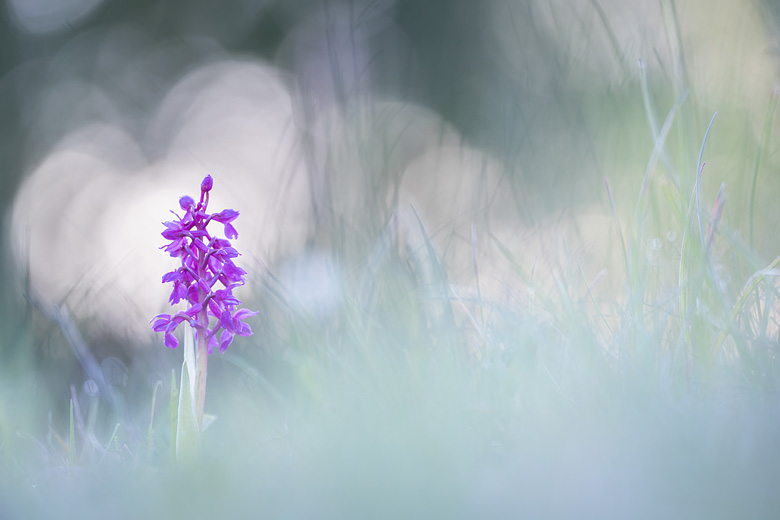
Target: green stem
(202,357)
(201,371)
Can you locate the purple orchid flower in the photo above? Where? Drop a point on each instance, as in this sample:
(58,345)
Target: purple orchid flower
(205,260)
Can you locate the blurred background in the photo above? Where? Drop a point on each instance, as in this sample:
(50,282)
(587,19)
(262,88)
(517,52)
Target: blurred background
(340,129)
(319,119)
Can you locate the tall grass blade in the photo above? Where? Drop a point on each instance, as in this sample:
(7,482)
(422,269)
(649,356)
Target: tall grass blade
(741,302)
(619,229)
(476,274)
(763,145)
(593,299)
(436,279)
(650,112)
(72,440)
(659,145)
(717,211)
(699,168)
(151,421)
(610,34)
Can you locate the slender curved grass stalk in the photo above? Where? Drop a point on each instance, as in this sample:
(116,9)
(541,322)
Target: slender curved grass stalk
(623,247)
(749,287)
(71,441)
(610,34)
(763,145)
(111,440)
(699,168)
(157,386)
(593,300)
(655,133)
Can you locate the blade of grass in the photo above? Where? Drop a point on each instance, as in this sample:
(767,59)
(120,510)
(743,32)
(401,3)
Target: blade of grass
(717,211)
(71,441)
(653,123)
(749,287)
(151,421)
(659,145)
(111,439)
(476,273)
(763,144)
(684,276)
(610,34)
(619,229)
(438,281)
(675,41)
(593,300)
(699,168)
(518,269)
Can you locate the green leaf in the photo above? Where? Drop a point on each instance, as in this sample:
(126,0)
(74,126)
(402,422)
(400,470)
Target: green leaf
(187,434)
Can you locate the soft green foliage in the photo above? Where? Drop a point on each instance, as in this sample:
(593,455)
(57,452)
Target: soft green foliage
(187,431)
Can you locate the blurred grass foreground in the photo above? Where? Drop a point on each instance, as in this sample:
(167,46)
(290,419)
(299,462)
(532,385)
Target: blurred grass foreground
(512,258)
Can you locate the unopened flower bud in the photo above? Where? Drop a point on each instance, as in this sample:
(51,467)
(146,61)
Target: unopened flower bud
(207,183)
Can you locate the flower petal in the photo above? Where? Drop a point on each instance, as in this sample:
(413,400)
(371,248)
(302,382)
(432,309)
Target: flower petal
(200,245)
(226,320)
(186,203)
(225,216)
(192,293)
(225,340)
(232,272)
(179,292)
(230,231)
(173,275)
(215,308)
(161,321)
(194,310)
(226,297)
(171,341)
(243,329)
(244,313)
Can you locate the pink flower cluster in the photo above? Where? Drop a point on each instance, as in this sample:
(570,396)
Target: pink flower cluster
(205,260)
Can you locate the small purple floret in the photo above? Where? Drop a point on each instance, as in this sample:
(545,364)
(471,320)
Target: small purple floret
(205,260)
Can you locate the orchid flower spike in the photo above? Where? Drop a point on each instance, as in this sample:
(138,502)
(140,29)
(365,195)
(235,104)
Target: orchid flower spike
(205,261)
